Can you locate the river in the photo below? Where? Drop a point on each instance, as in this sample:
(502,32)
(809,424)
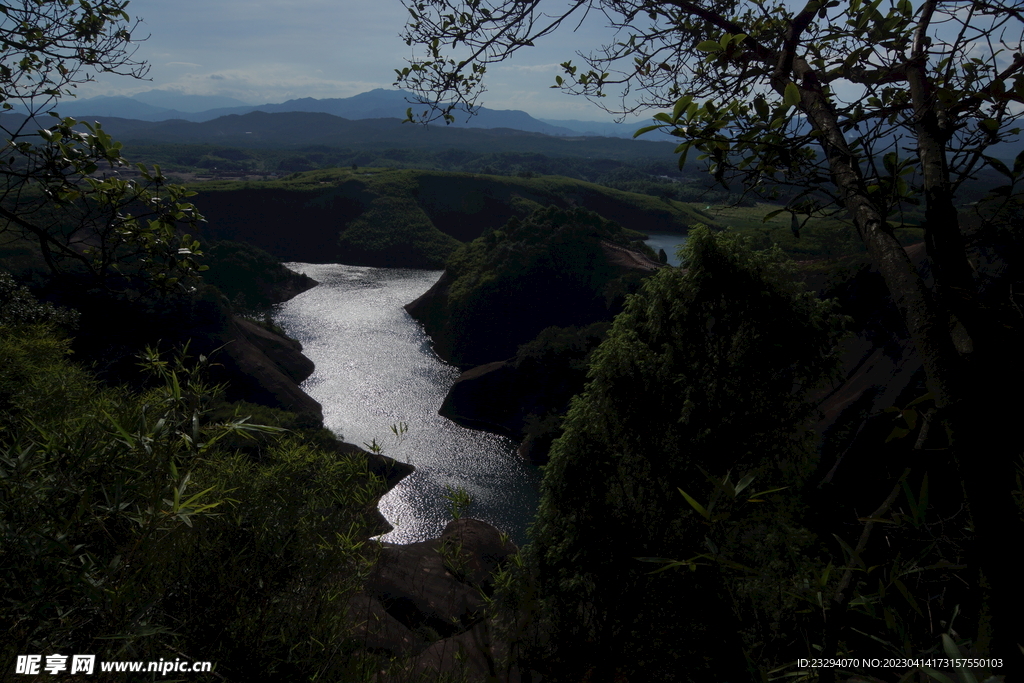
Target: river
(375,369)
(661,240)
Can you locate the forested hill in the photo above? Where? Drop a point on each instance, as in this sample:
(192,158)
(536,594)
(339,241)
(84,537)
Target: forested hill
(386,217)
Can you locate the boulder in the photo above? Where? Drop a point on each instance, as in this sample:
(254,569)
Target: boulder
(438,585)
(481,550)
(284,352)
(487,398)
(264,367)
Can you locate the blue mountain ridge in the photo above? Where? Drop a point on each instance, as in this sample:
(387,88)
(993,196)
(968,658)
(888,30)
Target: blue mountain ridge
(156,105)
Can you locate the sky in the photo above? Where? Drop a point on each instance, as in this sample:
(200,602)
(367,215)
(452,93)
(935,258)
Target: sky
(269,51)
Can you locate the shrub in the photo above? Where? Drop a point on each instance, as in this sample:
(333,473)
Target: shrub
(130,527)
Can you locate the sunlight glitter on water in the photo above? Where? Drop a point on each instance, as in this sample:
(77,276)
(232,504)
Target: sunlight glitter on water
(375,369)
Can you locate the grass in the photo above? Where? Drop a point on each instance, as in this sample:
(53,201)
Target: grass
(819,237)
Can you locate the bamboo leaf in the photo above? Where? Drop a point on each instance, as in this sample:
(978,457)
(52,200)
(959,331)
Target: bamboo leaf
(941,677)
(765,493)
(695,505)
(744,482)
(850,553)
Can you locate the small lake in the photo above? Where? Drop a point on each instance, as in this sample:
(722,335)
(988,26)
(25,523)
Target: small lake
(375,369)
(661,240)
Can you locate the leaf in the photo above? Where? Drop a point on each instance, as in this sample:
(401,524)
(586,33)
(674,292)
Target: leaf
(921,399)
(709,46)
(681,105)
(744,482)
(851,554)
(696,506)
(1018,165)
(823,581)
(765,493)
(722,485)
(999,166)
(876,520)
(761,107)
(897,433)
(772,214)
(792,95)
(941,677)
(906,594)
(646,129)
(950,648)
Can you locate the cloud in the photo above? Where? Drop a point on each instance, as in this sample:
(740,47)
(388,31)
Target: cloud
(552,68)
(256,83)
(195,66)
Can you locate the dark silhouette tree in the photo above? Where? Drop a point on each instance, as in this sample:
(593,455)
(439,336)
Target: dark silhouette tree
(862,107)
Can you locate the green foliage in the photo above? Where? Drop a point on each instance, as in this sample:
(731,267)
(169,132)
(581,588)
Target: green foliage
(705,369)
(19,307)
(554,366)
(391,228)
(124,234)
(406,218)
(251,278)
(270,580)
(549,269)
(134,526)
(459,501)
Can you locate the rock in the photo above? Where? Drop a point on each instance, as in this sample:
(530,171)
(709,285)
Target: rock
(414,586)
(264,367)
(433,591)
(437,584)
(525,398)
(430,310)
(486,398)
(284,352)
(483,550)
(378,631)
(473,656)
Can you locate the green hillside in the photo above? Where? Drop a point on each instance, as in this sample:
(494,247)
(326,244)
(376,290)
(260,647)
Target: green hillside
(407,218)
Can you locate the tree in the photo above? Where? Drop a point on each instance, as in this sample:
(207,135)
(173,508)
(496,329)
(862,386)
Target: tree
(864,108)
(54,189)
(696,376)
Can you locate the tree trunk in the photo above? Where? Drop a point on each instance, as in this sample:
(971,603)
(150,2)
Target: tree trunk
(986,443)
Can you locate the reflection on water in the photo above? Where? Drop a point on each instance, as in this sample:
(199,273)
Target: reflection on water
(660,240)
(375,369)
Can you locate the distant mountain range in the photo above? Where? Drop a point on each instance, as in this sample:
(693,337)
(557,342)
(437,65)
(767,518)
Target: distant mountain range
(286,130)
(368,119)
(162,105)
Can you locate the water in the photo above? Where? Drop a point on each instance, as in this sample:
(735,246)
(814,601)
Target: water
(375,369)
(661,240)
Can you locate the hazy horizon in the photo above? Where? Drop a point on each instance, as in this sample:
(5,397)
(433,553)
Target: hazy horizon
(271,51)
